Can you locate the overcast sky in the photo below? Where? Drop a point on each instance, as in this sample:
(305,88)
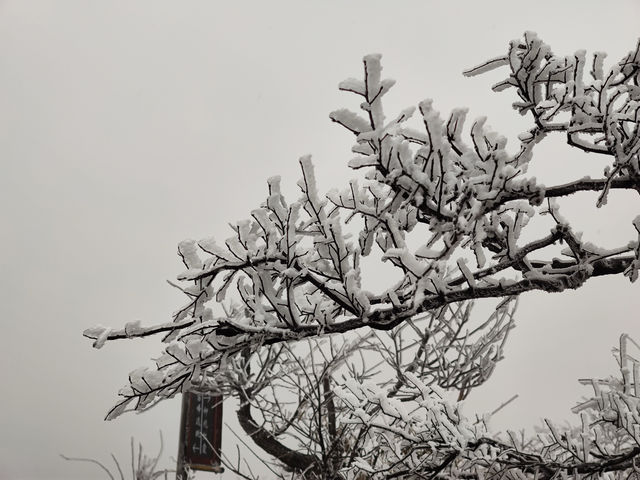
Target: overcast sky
(127,126)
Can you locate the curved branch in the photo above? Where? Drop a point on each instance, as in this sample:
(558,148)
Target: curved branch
(295,461)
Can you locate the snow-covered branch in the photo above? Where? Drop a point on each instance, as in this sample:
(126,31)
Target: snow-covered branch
(449,208)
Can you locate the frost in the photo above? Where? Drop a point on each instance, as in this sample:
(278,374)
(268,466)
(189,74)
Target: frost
(486,66)
(350,120)
(449,210)
(102,338)
(189,252)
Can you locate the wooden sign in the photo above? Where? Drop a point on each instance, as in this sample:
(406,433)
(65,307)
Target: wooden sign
(200,433)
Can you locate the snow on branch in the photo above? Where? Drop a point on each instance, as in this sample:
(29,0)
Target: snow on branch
(450,209)
(429,435)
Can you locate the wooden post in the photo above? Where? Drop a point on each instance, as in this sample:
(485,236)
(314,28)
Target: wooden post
(200,434)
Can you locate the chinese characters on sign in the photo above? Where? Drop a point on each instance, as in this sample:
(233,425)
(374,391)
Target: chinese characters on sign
(200,433)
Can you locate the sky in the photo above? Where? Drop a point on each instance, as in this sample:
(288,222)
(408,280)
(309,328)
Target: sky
(128,126)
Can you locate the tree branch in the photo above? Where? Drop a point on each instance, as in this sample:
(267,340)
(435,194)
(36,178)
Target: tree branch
(295,461)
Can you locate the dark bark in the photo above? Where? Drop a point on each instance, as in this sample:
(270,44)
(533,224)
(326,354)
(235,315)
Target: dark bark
(388,318)
(293,460)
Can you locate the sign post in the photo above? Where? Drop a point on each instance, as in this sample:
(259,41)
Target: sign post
(200,434)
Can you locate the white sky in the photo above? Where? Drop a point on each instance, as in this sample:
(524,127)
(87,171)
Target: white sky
(126,127)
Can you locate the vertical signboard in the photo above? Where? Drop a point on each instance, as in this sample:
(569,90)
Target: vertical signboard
(200,433)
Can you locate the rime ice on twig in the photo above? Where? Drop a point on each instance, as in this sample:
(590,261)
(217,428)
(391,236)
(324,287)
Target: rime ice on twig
(449,208)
